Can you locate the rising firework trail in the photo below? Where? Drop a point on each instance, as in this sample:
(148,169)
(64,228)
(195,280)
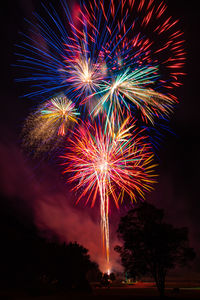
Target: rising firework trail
(109,165)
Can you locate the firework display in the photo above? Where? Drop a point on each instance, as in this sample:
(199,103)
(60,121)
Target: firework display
(130,86)
(105,43)
(45,128)
(110,164)
(118,62)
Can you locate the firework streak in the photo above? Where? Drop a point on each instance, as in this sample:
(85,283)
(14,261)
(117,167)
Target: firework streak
(106,49)
(112,59)
(111,164)
(46,127)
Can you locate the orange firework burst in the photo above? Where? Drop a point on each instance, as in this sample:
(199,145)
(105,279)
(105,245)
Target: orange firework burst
(109,163)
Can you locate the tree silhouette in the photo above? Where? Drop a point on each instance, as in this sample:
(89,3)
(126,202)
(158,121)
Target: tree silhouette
(30,261)
(67,264)
(151,246)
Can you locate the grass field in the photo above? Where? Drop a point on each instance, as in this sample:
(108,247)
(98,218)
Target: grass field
(117,293)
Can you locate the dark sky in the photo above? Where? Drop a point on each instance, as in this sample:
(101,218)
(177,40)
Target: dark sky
(178,188)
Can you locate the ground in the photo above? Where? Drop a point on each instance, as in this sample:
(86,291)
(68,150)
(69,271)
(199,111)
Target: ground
(112,293)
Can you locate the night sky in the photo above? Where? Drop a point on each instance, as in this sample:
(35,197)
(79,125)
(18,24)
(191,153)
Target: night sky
(35,192)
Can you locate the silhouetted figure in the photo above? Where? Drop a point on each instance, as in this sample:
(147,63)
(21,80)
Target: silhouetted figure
(105,281)
(112,277)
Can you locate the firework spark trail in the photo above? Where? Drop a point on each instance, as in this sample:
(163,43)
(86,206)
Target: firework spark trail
(111,164)
(100,42)
(104,209)
(59,110)
(132,86)
(114,58)
(46,127)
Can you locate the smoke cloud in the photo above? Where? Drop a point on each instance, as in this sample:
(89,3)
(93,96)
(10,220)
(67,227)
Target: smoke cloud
(41,193)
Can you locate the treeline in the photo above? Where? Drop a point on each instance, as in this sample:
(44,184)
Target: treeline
(28,260)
